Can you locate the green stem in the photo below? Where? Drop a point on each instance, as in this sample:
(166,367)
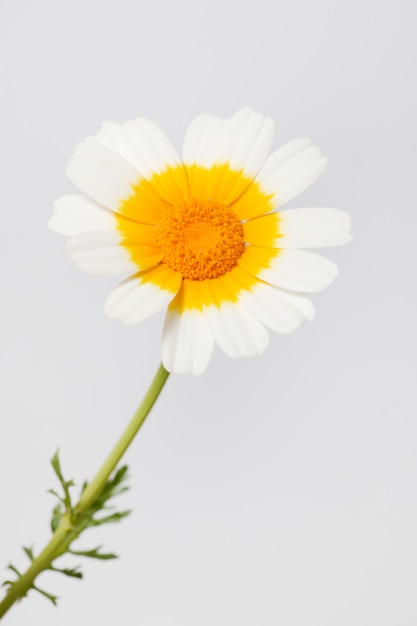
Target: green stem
(59,541)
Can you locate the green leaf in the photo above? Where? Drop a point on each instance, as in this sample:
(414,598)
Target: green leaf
(73,573)
(65,484)
(8,582)
(100,512)
(110,519)
(14,569)
(49,596)
(113,486)
(94,554)
(56,494)
(56,464)
(57,514)
(29,553)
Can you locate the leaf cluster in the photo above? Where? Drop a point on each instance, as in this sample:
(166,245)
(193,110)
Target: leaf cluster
(101,511)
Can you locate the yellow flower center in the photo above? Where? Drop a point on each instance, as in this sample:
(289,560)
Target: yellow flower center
(200,239)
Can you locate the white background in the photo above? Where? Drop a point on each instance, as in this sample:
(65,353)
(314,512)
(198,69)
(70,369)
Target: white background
(276,490)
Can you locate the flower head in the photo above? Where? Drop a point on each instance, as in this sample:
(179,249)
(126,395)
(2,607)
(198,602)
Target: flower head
(201,236)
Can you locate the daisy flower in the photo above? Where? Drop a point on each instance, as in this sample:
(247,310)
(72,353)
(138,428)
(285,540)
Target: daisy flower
(201,236)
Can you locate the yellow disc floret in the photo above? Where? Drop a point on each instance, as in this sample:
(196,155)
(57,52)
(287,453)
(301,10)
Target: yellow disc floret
(200,239)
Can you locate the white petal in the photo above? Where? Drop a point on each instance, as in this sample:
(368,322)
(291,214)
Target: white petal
(76,214)
(102,174)
(242,141)
(300,302)
(296,270)
(313,228)
(144,145)
(248,141)
(290,170)
(301,182)
(187,343)
(271,306)
(100,252)
(285,152)
(235,330)
(138,298)
(202,140)
(140,142)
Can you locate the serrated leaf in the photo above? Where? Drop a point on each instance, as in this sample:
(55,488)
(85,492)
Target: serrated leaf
(119,475)
(8,582)
(56,464)
(75,523)
(117,491)
(55,493)
(49,596)
(65,484)
(110,490)
(14,569)
(109,519)
(57,514)
(72,573)
(29,553)
(94,554)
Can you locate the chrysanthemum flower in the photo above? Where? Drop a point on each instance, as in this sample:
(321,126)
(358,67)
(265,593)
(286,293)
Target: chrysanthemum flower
(201,236)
